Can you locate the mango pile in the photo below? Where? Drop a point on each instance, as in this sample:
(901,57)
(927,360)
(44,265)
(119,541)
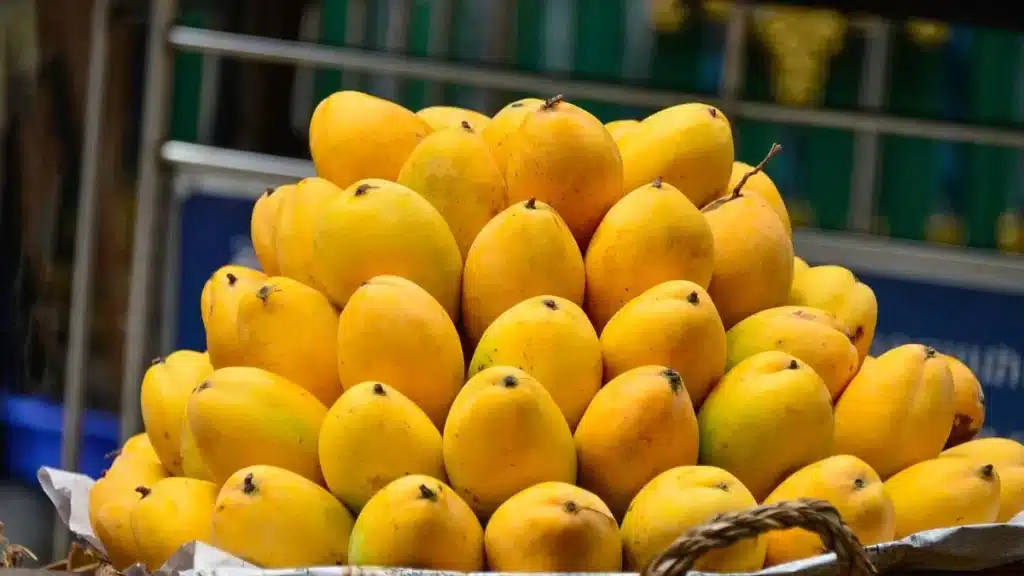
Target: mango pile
(536,342)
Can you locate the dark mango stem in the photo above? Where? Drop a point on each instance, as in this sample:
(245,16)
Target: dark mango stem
(775,149)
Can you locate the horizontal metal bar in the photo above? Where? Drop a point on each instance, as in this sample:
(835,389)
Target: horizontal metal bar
(292,52)
(200,157)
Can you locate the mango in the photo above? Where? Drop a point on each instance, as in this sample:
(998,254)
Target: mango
(274,518)
(219,306)
(613,441)
(811,335)
(128,470)
(969,401)
(441,117)
(852,487)
(263,229)
(372,435)
(759,184)
(682,498)
(906,393)
(799,267)
(454,169)
(687,145)
(192,464)
(769,415)
(166,386)
(395,332)
(553,527)
(288,328)
(243,416)
(653,235)
(836,290)
(504,124)
(378,227)
(298,210)
(113,527)
(417,522)
(354,135)
(620,128)
(562,155)
(1008,457)
(943,493)
(170,514)
(552,340)
(138,447)
(673,324)
(504,434)
(525,251)
(753,268)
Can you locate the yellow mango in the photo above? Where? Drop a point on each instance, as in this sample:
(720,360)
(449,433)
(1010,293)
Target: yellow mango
(372,435)
(613,441)
(263,229)
(969,398)
(505,123)
(441,117)
(553,527)
(673,324)
(552,340)
(170,514)
(525,251)
(274,518)
(454,169)
(354,135)
(852,487)
(136,465)
(769,415)
(653,235)
(138,447)
(1008,457)
(758,184)
(288,328)
(562,155)
(417,522)
(687,145)
(836,290)
(619,129)
(298,210)
(191,462)
(811,335)
(942,493)
(683,498)
(113,527)
(166,387)
(906,393)
(799,267)
(243,416)
(393,331)
(378,227)
(505,433)
(219,305)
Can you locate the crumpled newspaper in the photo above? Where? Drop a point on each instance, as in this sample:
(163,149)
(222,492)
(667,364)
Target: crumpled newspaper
(967,548)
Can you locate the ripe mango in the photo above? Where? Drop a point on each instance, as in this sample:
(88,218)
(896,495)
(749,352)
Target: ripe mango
(620,128)
(553,527)
(503,434)
(525,251)
(614,444)
(354,135)
(552,340)
(770,415)
(372,435)
(263,229)
(166,386)
(505,123)
(852,487)
(906,393)
(170,514)
(417,522)
(682,498)
(753,257)
(136,465)
(113,527)
(1008,458)
(275,518)
(219,305)
(811,335)
(942,493)
(799,267)
(378,227)
(241,416)
(288,328)
(673,324)
(758,184)
(969,398)
(454,169)
(688,146)
(298,210)
(192,464)
(653,235)
(441,117)
(393,331)
(139,446)
(564,156)
(836,290)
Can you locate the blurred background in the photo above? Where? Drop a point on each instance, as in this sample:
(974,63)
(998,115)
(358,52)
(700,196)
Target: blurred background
(131,159)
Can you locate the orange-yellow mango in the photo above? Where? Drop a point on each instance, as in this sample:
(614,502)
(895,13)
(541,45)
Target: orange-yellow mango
(759,184)
(170,514)
(219,308)
(263,228)
(1008,457)
(836,290)
(441,117)
(943,493)
(504,124)
(298,210)
(969,415)
(166,387)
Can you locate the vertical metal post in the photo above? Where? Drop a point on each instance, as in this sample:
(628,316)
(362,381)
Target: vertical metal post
(874,82)
(150,184)
(734,59)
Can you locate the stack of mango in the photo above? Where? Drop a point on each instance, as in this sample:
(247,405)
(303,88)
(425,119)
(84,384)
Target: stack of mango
(535,342)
